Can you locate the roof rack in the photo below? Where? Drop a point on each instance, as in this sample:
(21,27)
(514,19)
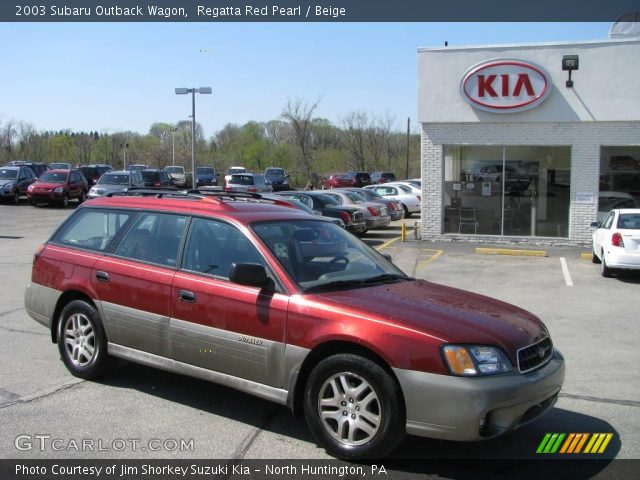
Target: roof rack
(151,192)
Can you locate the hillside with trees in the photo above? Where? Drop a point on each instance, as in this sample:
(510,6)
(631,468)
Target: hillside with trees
(303,143)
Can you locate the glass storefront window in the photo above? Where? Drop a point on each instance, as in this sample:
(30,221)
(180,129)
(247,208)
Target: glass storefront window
(507,190)
(619,179)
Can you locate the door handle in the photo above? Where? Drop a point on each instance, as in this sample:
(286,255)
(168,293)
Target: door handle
(102,276)
(186,296)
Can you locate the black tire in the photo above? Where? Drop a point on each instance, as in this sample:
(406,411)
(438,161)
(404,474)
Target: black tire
(82,197)
(65,201)
(406,211)
(81,340)
(604,269)
(16,197)
(594,257)
(373,419)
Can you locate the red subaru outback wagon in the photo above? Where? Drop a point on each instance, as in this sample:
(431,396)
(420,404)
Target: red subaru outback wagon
(293,309)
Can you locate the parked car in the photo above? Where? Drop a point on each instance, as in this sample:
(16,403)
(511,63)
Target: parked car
(58,186)
(336,180)
(232,171)
(14,182)
(352,217)
(154,177)
(137,166)
(608,201)
(359,179)
(116,181)
(616,241)
(514,181)
(38,167)
(278,178)
(378,178)
(408,198)
(293,309)
(91,174)
(375,214)
(394,207)
(248,182)
(206,176)
(298,205)
(102,168)
(177,175)
(406,186)
(60,166)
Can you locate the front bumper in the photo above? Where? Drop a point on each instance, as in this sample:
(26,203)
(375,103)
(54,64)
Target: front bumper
(478,408)
(45,197)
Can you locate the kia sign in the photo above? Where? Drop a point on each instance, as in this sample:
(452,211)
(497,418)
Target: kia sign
(505,86)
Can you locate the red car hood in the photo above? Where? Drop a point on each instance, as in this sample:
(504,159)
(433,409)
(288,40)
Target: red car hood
(47,185)
(457,316)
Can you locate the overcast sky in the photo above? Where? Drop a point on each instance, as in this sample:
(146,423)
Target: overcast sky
(116,76)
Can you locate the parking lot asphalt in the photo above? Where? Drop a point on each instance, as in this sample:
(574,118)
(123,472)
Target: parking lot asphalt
(592,320)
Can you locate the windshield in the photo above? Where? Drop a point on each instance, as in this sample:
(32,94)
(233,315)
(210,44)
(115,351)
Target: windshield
(326,200)
(205,171)
(275,172)
(629,221)
(6,174)
(355,197)
(175,170)
(231,171)
(52,177)
(321,256)
(114,179)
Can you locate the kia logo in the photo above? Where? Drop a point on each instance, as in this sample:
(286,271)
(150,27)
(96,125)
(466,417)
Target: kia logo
(505,86)
(541,352)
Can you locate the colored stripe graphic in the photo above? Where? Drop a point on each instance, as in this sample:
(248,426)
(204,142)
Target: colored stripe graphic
(574,443)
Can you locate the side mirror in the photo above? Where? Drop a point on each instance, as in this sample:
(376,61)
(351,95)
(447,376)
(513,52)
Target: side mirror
(250,274)
(595,224)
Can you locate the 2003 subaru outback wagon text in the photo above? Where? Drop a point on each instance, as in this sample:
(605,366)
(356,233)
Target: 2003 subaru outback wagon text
(293,309)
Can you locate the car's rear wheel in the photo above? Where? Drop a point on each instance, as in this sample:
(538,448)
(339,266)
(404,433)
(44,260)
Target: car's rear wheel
(81,340)
(407,214)
(353,407)
(604,269)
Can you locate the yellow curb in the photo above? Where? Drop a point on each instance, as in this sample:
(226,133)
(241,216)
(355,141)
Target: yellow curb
(508,251)
(585,256)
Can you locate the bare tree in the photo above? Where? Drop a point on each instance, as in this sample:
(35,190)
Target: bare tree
(355,126)
(299,114)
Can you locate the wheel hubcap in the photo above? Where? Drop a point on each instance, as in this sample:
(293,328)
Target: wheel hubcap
(349,409)
(79,339)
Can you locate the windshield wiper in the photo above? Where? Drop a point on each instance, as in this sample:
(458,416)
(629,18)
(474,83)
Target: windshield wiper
(384,278)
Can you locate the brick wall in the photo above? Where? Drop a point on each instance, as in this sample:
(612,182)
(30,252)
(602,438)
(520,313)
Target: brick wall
(584,138)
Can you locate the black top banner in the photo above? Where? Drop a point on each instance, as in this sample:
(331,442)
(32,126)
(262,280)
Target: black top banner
(316,10)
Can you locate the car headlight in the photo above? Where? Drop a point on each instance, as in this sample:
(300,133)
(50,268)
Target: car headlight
(8,186)
(93,191)
(58,190)
(475,360)
(30,188)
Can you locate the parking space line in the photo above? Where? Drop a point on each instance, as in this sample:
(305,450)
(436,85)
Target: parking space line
(565,272)
(386,244)
(433,257)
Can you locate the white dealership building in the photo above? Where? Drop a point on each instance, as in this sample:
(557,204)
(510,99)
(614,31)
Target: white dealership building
(527,143)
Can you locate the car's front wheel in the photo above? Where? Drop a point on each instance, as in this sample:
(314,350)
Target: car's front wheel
(354,407)
(65,200)
(81,340)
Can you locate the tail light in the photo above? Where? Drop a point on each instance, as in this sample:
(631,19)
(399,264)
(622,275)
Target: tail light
(157,184)
(393,207)
(37,253)
(228,188)
(252,189)
(616,240)
(373,211)
(345,217)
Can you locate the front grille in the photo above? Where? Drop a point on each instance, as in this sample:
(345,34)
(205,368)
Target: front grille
(357,216)
(535,355)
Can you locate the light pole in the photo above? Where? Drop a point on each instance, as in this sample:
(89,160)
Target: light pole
(173,145)
(124,155)
(193,91)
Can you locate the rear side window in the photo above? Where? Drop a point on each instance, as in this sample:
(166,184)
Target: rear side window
(155,238)
(93,229)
